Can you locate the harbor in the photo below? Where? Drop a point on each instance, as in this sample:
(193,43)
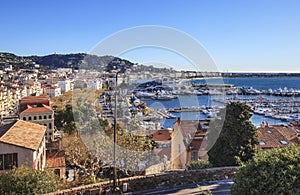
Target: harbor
(163,102)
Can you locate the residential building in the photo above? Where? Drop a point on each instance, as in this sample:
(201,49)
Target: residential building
(33,101)
(65,85)
(161,139)
(3,101)
(22,143)
(94,84)
(188,142)
(53,91)
(55,161)
(80,84)
(274,136)
(37,109)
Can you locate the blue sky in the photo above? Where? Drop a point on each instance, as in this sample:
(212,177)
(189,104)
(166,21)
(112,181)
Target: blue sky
(250,35)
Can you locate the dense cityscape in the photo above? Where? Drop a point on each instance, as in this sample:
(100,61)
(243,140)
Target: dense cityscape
(63,113)
(149,97)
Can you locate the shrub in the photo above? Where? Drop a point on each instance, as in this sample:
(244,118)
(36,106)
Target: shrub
(199,164)
(24,180)
(275,171)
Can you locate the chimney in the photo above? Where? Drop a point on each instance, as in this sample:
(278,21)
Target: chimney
(178,120)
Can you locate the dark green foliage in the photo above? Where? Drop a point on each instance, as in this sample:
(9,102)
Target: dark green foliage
(237,139)
(24,180)
(276,171)
(199,164)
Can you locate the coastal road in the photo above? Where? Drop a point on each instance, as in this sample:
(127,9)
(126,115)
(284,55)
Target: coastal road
(215,187)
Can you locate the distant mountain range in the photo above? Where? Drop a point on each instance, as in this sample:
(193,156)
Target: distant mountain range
(87,61)
(55,61)
(74,61)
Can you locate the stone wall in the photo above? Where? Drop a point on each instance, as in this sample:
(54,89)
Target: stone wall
(165,180)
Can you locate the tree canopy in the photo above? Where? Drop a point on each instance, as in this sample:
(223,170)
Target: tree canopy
(24,180)
(274,171)
(237,138)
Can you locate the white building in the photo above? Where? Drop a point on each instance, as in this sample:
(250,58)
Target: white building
(53,91)
(94,84)
(65,85)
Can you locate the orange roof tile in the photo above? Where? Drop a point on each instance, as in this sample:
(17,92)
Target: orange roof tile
(272,136)
(161,135)
(192,129)
(45,108)
(29,100)
(55,159)
(158,135)
(196,144)
(24,134)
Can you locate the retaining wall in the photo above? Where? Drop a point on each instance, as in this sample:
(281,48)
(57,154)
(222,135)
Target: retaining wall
(164,180)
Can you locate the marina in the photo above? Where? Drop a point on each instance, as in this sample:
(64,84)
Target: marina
(202,99)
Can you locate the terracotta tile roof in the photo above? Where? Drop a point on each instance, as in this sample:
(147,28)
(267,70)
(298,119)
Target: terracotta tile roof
(157,135)
(42,109)
(192,129)
(276,136)
(24,134)
(161,135)
(196,144)
(55,159)
(189,127)
(30,100)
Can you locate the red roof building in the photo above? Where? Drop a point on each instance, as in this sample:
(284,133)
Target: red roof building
(37,109)
(188,142)
(22,143)
(55,160)
(277,136)
(33,101)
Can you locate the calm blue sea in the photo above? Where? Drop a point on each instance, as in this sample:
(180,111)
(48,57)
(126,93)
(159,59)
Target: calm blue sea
(256,83)
(205,100)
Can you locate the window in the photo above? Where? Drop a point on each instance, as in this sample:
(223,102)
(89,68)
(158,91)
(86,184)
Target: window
(57,172)
(34,118)
(29,118)
(50,116)
(40,117)
(50,125)
(194,155)
(8,161)
(262,143)
(24,118)
(283,142)
(45,117)
(269,131)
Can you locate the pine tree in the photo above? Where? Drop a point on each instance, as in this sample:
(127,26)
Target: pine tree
(237,139)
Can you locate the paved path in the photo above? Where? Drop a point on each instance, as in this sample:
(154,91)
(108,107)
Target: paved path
(216,187)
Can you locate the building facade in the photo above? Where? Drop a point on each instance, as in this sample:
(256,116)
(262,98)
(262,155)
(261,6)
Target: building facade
(22,143)
(36,109)
(188,142)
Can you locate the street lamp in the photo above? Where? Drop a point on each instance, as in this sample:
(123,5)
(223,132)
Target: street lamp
(115,137)
(115,132)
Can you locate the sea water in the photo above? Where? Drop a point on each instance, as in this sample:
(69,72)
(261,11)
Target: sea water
(207,100)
